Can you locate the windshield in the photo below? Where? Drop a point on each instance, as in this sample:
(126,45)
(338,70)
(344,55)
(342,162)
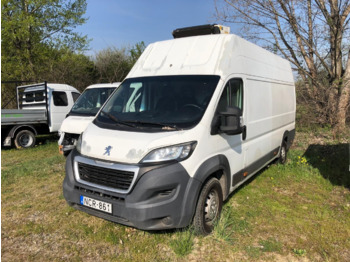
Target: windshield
(161,102)
(91,101)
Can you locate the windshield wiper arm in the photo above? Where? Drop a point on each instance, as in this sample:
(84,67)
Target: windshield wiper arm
(116,120)
(164,126)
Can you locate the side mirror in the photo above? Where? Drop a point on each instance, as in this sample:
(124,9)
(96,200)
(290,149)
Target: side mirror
(231,121)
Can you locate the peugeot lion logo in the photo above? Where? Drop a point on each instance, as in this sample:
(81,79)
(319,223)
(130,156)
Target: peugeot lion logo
(108,150)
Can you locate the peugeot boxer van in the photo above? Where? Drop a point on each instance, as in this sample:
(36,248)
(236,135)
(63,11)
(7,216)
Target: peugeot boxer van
(194,119)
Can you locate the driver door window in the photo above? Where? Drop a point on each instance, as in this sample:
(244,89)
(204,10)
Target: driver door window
(232,95)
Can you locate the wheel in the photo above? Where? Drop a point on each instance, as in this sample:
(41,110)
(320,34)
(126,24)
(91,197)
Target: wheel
(283,153)
(208,208)
(25,139)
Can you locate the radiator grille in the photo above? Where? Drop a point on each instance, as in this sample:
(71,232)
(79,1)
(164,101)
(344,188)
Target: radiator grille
(118,179)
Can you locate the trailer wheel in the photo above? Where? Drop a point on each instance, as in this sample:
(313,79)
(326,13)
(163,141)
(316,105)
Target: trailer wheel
(208,208)
(283,153)
(25,139)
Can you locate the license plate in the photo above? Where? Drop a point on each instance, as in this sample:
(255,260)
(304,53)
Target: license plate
(96,204)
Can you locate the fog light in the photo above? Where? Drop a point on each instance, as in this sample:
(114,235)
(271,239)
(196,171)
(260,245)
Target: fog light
(167,220)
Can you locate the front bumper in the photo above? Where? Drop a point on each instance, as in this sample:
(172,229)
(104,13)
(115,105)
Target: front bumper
(162,196)
(66,143)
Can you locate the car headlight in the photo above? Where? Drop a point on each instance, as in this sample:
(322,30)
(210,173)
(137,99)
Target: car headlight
(78,144)
(176,152)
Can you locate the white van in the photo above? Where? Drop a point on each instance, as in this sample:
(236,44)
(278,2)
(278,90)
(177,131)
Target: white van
(195,118)
(82,113)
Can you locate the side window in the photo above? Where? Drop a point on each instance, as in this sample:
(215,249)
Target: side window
(232,95)
(60,98)
(75,96)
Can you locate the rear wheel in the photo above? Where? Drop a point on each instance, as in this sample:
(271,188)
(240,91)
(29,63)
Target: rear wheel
(208,207)
(283,153)
(25,139)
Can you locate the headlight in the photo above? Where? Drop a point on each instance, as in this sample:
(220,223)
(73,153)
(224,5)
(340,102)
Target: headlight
(176,152)
(78,144)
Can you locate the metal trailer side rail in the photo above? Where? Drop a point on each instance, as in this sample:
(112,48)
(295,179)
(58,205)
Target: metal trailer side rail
(19,117)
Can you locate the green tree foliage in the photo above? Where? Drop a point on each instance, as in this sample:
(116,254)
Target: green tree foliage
(113,64)
(136,51)
(32,30)
(66,66)
(40,43)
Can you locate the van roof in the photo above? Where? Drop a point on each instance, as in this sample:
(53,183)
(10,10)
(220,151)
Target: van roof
(221,54)
(61,87)
(104,85)
(53,86)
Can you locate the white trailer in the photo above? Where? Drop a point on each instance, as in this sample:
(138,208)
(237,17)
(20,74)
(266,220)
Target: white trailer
(194,119)
(41,109)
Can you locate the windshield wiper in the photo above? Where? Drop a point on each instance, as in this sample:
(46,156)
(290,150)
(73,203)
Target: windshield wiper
(164,126)
(116,120)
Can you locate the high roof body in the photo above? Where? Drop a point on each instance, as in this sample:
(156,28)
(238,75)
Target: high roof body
(220,54)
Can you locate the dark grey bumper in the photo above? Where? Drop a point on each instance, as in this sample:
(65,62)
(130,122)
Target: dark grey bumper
(164,196)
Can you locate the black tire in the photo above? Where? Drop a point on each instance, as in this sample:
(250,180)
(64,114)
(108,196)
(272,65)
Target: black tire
(208,208)
(25,139)
(283,153)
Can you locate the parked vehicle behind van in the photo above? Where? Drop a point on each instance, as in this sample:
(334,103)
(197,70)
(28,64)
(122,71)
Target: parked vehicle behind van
(82,113)
(41,108)
(194,119)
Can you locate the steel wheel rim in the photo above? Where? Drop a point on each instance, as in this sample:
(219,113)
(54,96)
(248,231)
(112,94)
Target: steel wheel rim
(211,207)
(25,140)
(283,153)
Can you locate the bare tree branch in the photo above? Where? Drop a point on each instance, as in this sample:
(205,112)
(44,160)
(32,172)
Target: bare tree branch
(312,34)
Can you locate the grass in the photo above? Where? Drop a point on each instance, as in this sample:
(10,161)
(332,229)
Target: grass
(299,252)
(182,243)
(223,229)
(270,245)
(297,211)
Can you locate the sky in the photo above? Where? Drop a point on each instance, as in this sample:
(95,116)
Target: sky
(123,23)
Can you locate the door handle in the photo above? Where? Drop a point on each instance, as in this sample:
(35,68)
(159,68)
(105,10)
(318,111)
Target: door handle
(244,132)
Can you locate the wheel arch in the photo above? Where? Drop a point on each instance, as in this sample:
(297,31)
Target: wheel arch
(14,130)
(219,167)
(288,137)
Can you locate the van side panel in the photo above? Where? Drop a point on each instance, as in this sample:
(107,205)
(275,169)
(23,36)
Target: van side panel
(270,111)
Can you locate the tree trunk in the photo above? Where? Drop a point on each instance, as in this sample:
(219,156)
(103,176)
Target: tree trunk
(343,105)
(344,99)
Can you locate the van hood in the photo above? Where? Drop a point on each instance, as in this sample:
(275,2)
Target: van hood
(128,147)
(76,124)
